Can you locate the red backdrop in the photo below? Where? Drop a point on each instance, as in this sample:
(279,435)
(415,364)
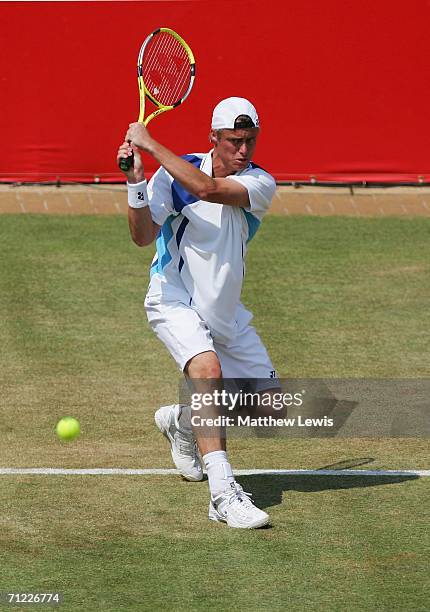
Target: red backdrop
(341,86)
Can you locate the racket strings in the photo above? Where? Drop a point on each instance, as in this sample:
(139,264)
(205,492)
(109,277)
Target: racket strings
(166,69)
(162,67)
(180,58)
(158,64)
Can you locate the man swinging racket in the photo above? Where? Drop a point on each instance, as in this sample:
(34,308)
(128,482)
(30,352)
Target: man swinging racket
(202,209)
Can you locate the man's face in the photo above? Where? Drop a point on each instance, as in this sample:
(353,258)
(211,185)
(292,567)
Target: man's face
(235,148)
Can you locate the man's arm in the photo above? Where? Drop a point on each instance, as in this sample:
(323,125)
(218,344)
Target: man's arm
(143,229)
(202,186)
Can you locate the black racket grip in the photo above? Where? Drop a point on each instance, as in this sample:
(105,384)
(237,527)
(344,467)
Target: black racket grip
(125,163)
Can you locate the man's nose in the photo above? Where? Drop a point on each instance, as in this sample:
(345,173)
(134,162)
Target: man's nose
(243,149)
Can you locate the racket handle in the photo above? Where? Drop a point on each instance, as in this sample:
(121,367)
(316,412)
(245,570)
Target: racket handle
(125,163)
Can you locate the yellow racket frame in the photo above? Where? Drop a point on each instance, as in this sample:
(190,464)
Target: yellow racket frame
(143,90)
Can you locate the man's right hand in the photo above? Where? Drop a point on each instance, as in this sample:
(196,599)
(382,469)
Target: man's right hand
(135,174)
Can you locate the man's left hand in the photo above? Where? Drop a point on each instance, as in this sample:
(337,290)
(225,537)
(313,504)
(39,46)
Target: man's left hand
(139,136)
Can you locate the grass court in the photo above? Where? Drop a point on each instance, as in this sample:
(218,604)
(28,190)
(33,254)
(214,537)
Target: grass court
(332,297)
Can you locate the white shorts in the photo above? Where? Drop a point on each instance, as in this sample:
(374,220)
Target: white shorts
(186,334)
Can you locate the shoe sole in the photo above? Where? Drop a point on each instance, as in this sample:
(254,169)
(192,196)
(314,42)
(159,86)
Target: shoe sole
(162,425)
(214,516)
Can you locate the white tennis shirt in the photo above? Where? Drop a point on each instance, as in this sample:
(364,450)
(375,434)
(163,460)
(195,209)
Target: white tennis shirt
(201,246)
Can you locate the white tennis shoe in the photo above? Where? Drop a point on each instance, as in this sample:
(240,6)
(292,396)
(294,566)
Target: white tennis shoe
(182,443)
(235,508)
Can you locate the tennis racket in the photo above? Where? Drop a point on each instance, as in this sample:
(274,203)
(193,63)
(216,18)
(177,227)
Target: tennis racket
(165,74)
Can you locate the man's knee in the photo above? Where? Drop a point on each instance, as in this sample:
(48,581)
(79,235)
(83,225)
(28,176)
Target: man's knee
(204,365)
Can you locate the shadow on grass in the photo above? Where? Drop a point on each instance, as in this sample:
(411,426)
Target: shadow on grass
(348,464)
(267,489)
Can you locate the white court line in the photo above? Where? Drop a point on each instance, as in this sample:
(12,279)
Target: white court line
(163,471)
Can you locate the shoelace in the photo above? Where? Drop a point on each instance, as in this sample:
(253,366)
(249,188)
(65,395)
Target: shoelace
(242,496)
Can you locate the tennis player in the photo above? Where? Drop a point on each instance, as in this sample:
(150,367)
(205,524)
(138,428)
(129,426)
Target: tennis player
(203,209)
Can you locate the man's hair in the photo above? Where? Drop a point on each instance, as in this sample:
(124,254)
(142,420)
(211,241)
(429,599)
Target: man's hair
(243,122)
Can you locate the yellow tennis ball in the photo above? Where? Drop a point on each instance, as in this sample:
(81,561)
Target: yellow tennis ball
(68,428)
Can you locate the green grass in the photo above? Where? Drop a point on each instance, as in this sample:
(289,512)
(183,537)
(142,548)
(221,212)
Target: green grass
(343,296)
(145,544)
(332,297)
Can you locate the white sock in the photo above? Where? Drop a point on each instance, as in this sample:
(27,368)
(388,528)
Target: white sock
(219,471)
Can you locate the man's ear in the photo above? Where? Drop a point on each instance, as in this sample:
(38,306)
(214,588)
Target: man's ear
(213,137)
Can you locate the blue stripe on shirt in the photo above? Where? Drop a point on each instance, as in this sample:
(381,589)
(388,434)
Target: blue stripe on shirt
(253,224)
(181,229)
(181,197)
(163,254)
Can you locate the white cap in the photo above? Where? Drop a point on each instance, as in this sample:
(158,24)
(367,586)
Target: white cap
(228,110)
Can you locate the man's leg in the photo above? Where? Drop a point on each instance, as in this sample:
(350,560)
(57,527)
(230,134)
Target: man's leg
(190,343)
(183,333)
(228,502)
(204,373)
(205,377)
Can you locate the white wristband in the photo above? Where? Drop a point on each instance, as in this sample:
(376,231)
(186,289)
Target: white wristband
(137,195)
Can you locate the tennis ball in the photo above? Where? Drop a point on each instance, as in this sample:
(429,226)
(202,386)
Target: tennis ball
(68,428)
